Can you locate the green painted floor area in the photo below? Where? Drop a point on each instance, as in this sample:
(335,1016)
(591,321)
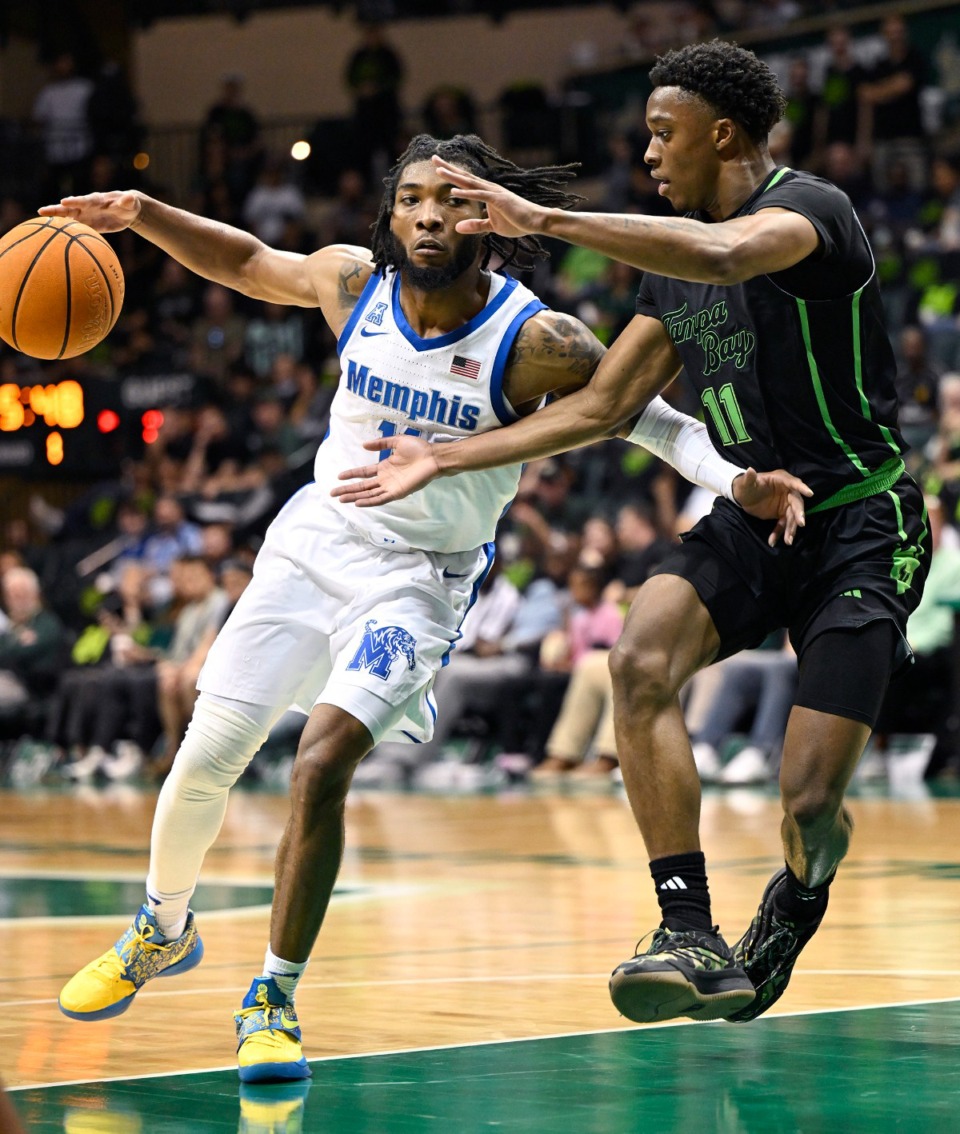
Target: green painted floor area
(48,896)
(873,1070)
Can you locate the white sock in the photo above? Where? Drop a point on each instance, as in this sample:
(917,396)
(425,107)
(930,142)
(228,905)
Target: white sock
(171,912)
(285,974)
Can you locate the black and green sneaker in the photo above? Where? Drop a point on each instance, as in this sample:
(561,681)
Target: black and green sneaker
(688,972)
(769,950)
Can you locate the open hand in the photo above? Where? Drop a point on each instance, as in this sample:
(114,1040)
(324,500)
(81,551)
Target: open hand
(507,213)
(410,466)
(775,495)
(105,212)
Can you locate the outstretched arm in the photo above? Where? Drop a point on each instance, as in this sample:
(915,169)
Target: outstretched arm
(641,362)
(686,249)
(225,254)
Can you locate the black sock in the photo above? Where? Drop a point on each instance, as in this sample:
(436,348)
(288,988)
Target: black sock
(802,904)
(682,891)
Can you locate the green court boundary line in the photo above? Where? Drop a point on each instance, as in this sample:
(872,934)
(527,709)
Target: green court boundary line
(628,1029)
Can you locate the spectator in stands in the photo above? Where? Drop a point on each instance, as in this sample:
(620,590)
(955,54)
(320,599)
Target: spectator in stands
(216,545)
(891,98)
(918,381)
(32,644)
(272,428)
(204,612)
(144,689)
(598,544)
(310,407)
(218,190)
(172,536)
(273,200)
(60,111)
(618,175)
(233,122)
(548,488)
(351,214)
(837,113)
(217,336)
(584,725)
(896,203)
(274,330)
(215,445)
(758,684)
(640,547)
(608,305)
(448,111)
(173,306)
(800,112)
(918,702)
(943,451)
(941,211)
(373,78)
(77,724)
(113,116)
(593,624)
(126,546)
(841,164)
(586,715)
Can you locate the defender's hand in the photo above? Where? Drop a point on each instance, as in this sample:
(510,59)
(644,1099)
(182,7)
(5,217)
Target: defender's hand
(776,495)
(507,213)
(105,212)
(410,466)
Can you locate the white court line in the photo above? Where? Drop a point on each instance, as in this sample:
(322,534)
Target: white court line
(491,1043)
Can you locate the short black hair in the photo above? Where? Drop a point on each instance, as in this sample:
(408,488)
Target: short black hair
(731,79)
(543,185)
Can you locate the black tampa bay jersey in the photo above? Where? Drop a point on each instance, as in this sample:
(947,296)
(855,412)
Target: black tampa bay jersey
(794,369)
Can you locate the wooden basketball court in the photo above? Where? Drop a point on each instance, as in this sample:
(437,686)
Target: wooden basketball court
(460,981)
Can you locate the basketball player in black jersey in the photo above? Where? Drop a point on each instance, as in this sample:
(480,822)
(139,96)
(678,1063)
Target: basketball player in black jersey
(765,292)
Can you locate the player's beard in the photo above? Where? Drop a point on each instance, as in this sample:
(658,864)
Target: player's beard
(465,255)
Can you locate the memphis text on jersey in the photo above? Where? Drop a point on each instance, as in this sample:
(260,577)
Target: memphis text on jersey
(416,405)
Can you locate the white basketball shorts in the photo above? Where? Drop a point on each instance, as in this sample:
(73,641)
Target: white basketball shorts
(329,618)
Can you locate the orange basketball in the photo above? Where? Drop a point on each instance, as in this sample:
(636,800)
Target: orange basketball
(61,287)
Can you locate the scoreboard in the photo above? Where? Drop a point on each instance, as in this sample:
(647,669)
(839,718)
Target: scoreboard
(83,428)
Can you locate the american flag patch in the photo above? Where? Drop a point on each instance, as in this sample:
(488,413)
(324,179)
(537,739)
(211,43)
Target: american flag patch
(465,367)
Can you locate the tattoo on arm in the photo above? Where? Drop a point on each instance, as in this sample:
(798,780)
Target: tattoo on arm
(563,344)
(347,296)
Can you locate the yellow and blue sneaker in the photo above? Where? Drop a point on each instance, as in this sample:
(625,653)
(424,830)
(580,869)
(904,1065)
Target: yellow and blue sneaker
(106,987)
(268,1036)
(273,1108)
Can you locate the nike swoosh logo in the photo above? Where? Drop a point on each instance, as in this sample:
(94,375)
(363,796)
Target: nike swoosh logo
(287,1022)
(367,334)
(448,574)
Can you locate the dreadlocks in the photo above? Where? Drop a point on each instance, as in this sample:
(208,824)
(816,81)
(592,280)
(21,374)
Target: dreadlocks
(542,185)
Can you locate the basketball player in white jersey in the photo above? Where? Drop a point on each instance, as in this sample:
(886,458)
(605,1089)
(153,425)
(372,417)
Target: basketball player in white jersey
(351,612)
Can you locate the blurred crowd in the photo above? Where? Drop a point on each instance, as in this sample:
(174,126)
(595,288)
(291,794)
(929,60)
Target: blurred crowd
(110,601)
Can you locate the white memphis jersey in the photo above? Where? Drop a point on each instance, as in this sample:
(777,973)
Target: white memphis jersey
(451,386)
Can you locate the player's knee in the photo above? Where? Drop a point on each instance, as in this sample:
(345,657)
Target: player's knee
(219,744)
(641,674)
(321,774)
